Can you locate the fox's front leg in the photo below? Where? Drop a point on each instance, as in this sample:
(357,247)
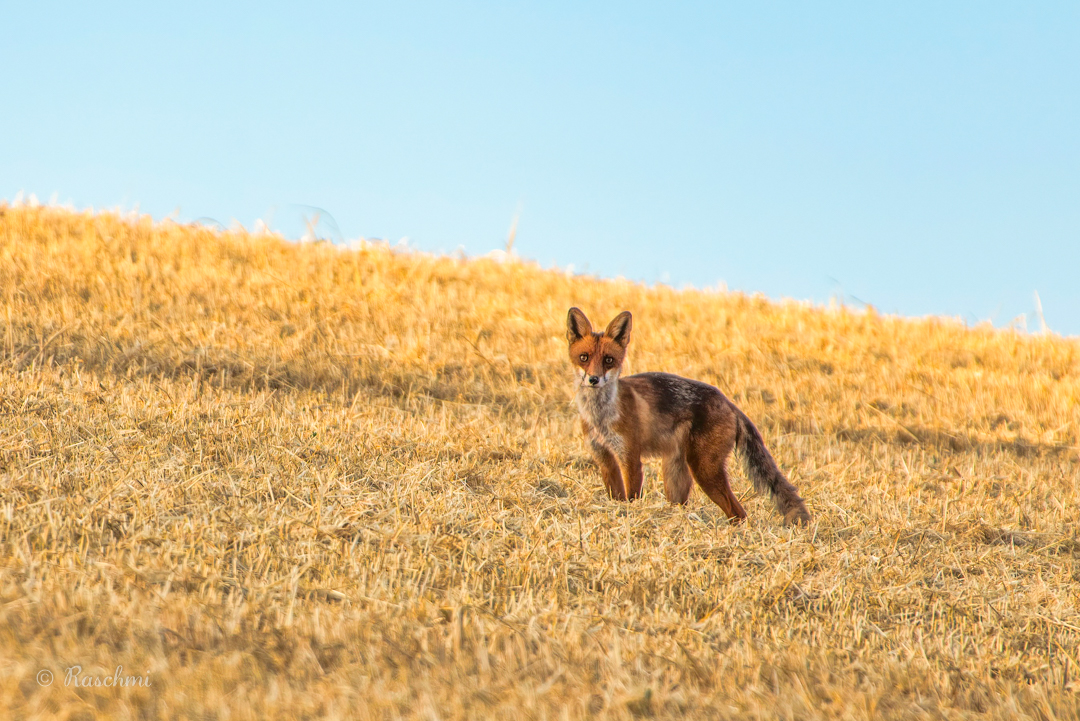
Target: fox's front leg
(633,474)
(609,467)
(609,470)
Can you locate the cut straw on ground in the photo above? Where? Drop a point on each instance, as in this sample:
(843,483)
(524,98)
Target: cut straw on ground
(296,481)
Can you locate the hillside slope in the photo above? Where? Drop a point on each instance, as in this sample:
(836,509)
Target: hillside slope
(285,481)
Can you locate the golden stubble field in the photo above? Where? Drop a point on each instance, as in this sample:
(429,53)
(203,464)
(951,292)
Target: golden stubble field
(284,481)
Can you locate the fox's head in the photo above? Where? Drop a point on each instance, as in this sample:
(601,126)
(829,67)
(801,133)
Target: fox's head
(597,357)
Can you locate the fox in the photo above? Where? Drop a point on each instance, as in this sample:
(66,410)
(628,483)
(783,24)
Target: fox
(691,425)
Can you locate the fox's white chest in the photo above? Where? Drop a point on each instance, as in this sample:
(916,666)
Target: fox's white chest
(599,409)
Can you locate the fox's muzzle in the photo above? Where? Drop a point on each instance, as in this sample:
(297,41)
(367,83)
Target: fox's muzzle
(594,380)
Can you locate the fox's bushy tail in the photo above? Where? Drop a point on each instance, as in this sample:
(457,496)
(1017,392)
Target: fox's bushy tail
(765,474)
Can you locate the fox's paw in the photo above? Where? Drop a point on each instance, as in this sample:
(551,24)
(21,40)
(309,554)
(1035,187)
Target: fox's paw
(797,516)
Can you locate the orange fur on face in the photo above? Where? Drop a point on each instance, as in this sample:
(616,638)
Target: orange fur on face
(597,355)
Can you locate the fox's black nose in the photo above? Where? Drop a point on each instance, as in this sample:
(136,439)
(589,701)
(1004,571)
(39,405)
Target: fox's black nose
(594,380)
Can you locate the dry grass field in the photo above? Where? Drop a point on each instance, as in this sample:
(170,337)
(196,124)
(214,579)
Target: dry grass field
(283,481)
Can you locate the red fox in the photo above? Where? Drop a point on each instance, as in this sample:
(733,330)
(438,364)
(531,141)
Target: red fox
(691,425)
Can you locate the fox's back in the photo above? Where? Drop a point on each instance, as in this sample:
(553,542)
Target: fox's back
(661,403)
(671,394)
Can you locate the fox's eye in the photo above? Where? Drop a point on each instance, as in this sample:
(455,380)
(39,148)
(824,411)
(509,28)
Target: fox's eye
(609,361)
(584,357)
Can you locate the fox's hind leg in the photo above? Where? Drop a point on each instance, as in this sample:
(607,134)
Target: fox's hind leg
(707,454)
(677,479)
(712,476)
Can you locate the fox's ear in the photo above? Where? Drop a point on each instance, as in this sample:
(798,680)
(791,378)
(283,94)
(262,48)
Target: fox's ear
(618,330)
(577,325)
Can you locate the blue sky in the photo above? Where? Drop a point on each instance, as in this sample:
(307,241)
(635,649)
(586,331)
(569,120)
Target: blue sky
(922,157)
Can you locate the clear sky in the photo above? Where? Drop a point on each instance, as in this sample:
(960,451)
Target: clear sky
(923,157)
